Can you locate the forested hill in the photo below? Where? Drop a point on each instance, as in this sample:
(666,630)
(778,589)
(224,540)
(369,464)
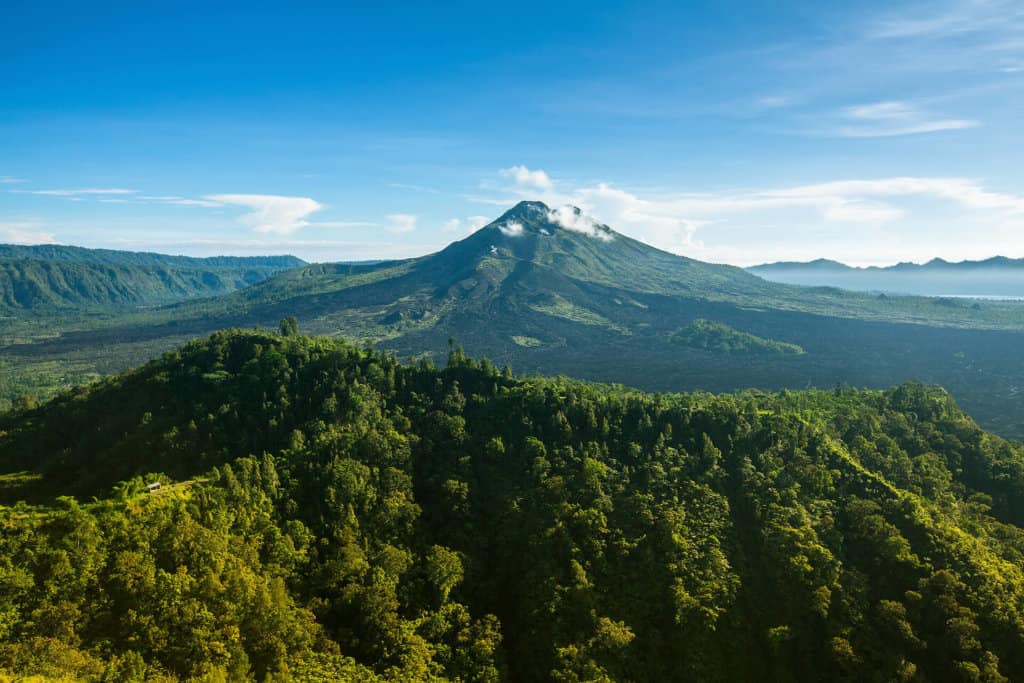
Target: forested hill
(60,252)
(48,277)
(341,516)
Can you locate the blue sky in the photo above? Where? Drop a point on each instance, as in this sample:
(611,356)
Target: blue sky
(740,132)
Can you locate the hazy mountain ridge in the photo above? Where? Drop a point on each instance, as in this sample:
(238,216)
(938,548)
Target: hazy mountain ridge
(996,276)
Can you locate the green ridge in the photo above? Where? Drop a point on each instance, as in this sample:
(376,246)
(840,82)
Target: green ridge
(341,516)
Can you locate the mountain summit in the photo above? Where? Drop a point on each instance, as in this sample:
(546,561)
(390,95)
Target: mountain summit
(532,217)
(566,243)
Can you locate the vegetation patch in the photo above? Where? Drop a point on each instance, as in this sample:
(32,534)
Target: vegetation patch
(528,342)
(561,307)
(717,337)
(22,385)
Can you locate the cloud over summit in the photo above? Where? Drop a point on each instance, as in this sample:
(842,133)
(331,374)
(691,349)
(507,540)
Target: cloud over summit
(571,218)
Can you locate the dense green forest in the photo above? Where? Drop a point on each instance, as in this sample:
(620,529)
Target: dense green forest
(61,252)
(329,513)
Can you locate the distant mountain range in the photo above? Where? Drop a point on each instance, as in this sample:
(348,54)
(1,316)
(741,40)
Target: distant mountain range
(994,277)
(554,291)
(61,276)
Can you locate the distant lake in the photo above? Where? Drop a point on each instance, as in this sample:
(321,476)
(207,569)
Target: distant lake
(989,297)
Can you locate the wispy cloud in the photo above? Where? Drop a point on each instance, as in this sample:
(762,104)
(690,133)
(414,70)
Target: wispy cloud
(10,180)
(276,214)
(272,214)
(401,223)
(773,101)
(86,191)
(966,192)
(181,201)
(464,226)
(985,37)
(942,51)
(414,188)
(341,224)
(25,232)
(888,119)
(948,19)
(821,211)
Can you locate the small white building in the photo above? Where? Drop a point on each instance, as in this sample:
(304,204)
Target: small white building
(154,486)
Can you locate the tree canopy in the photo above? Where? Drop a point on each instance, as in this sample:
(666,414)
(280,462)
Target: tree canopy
(330,513)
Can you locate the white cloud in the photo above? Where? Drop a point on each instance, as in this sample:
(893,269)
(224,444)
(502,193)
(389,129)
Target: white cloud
(655,221)
(181,201)
(525,178)
(273,214)
(10,180)
(25,232)
(270,213)
(511,228)
(889,119)
(571,218)
(401,223)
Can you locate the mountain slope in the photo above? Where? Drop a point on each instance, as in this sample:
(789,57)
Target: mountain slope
(340,516)
(531,250)
(994,277)
(52,276)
